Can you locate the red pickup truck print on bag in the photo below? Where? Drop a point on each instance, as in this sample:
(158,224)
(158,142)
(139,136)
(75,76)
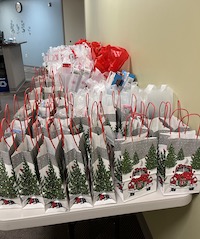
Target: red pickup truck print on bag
(140,179)
(183,177)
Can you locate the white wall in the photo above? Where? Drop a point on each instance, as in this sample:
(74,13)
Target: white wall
(163,40)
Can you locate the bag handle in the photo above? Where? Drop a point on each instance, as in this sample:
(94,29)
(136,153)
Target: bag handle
(149,122)
(179,110)
(133,101)
(16,107)
(188,116)
(99,118)
(142,108)
(116,103)
(167,110)
(179,107)
(143,117)
(133,117)
(12,127)
(7,113)
(36,125)
(26,103)
(49,122)
(4,126)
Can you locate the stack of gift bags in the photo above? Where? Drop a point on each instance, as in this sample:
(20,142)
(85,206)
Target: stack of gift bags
(67,150)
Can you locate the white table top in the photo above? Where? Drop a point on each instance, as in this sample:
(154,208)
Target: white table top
(11,219)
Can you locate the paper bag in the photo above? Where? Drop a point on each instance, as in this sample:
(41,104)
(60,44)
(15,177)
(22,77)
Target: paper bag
(102,182)
(77,174)
(138,167)
(23,161)
(9,195)
(53,187)
(178,164)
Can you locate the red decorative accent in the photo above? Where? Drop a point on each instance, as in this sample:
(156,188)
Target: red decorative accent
(31,201)
(140,178)
(103,196)
(6,202)
(66,65)
(53,204)
(183,176)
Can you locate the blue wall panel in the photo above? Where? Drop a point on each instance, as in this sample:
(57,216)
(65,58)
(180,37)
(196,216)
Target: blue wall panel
(41,26)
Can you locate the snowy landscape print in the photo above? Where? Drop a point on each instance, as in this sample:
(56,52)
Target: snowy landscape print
(181,165)
(136,169)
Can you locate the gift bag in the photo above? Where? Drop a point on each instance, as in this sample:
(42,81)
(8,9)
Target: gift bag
(139,167)
(77,173)
(102,182)
(178,163)
(52,185)
(23,161)
(135,166)
(9,195)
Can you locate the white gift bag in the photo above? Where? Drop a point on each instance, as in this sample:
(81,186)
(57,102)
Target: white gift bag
(179,161)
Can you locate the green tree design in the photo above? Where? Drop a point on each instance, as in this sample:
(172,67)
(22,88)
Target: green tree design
(7,184)
(118,170)
(102,177)
(180,155)
(77,180)
(107,122)
(136,159)
(151,158)
(52,185)
(196,159)
(81,129)
(27,181)
(126,163)
(171,157)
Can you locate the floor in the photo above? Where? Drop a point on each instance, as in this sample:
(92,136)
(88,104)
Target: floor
(7,98)
(119,227)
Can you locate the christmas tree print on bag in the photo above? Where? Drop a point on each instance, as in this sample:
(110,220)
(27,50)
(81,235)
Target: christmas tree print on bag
(77,173)
(23,161)
(51,175)
(138,167)
(9,195)
(102,181)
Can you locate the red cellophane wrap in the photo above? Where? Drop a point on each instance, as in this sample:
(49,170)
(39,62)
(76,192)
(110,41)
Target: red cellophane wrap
(106,58)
